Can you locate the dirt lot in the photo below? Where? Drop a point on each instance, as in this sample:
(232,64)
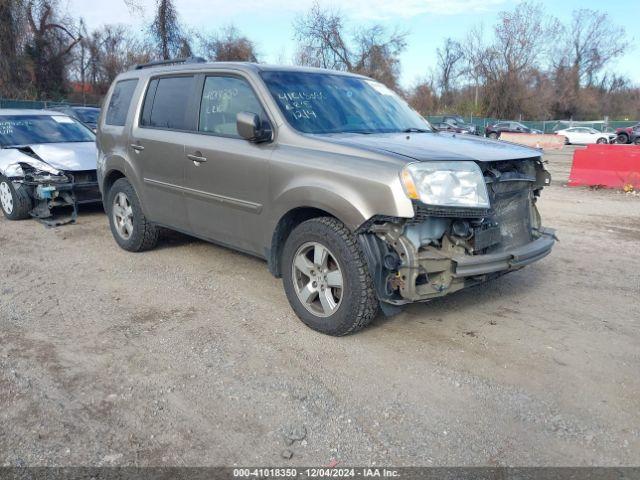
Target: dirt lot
(190,355)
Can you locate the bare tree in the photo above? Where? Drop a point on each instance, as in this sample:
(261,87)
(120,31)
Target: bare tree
(12,72)
(324,43)
(450,59)
(49,47)
(320,34)
(522,38)
(377,54)
(594,41)
(167,31)
(589,43)
(83,59)
(104,54)
(228,45)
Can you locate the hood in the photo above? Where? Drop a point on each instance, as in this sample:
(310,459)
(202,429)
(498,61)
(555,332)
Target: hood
(68,157)
(436,146)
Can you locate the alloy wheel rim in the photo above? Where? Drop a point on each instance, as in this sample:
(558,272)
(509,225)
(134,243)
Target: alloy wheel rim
(6,198)
(123,215)
(317,279)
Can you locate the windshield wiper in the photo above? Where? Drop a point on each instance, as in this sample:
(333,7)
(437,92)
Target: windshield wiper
(416,130)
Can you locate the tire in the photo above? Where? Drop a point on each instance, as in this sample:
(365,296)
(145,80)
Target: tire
(129,226)
(493,136)
(622,138)
(357,304)
(15,203)
(637,141)
(602,141)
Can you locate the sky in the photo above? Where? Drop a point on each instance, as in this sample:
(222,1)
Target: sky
(269,23)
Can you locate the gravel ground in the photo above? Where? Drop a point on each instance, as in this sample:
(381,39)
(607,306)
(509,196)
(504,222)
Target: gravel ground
(190,355)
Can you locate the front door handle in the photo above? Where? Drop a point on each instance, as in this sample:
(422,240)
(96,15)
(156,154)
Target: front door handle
(137,148)
(197,157)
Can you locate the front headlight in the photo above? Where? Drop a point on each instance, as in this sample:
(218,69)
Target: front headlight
(447,184)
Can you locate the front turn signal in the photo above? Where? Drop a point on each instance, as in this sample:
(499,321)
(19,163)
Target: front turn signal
(409,185)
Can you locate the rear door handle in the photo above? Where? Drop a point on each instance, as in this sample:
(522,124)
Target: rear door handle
(196,158)
(137,148)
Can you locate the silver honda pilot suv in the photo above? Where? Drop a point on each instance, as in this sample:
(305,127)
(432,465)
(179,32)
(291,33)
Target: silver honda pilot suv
(349,194)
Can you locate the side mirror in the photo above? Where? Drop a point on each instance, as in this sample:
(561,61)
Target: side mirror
(251,128)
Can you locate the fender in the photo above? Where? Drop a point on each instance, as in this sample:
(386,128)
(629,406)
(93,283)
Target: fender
(293,206)
(339,199)
(116,163)
(352,212)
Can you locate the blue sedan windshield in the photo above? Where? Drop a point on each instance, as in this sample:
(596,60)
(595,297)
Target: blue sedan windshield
(38,129)
(327,103)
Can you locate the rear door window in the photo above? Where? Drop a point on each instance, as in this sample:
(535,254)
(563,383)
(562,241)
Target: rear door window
(167,103)
(223,97)
(120,102)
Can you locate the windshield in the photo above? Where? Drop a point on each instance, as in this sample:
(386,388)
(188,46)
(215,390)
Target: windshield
(36,129)
(88,116)
(326,103)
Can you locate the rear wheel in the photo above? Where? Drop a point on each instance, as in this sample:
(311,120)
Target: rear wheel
(326,279)
(15,202)
(636,141)
(129,226)
(493,135)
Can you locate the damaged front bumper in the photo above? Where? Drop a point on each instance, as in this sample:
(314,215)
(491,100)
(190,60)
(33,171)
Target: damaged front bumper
(406,274)
(56,202)
(472,266)
(444,250)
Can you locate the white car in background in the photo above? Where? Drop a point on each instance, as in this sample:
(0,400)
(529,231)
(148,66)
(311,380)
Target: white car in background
(585,136)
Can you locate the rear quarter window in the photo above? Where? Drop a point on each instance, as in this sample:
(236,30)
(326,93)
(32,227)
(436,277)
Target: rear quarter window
(120,102)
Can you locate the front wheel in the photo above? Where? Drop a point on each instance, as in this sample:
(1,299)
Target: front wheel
(493,136)
(129,226)
(637,141)
(15,201)
(326,278)
(601,141)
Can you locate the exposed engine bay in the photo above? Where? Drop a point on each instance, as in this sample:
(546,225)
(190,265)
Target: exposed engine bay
(444,249)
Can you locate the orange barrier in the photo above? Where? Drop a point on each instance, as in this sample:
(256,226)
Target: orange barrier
(611,166)
(547,141)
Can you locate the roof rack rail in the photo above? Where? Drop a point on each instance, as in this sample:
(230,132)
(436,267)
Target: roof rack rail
(175,61)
